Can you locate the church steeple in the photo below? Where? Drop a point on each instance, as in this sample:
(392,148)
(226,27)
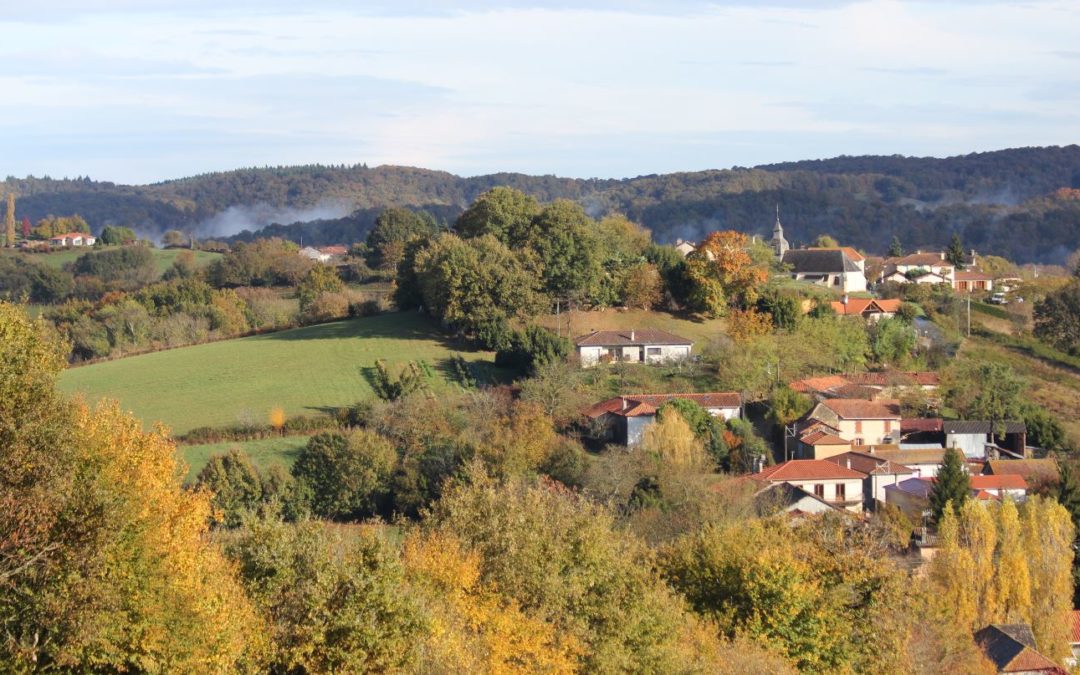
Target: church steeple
(779,244)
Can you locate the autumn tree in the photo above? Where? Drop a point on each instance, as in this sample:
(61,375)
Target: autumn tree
(825,241)
(748,325)
(394,229)
(642,286)
(319,280)
(723,272)
(672,440)
(235,485)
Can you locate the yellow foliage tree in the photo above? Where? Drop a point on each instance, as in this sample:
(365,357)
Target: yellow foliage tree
(474,629)
(277,418)
(1048,537)
(1012,578)
(671,439)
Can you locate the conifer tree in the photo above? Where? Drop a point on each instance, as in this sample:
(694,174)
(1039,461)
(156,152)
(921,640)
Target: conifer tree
(955,252)
(952,484)
(895,249)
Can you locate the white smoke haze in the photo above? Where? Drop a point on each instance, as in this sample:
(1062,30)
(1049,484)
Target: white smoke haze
(255,217)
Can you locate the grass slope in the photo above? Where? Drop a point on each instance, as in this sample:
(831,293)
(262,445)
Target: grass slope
(163,258)
(264,453)
(305,371)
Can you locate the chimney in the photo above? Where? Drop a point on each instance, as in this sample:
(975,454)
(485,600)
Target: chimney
(631,336)
(623,402)
(942,254)
(847,461)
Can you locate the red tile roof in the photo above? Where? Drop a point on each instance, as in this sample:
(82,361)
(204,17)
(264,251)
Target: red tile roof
(818,384)
(820,437)
(851,253)
(1074,626)
(972,276)
(1005,482)
(634,405)
(639,336)
(334,250)
(1039,470)
(921,424)
(920,260)
(862,305)
(858,409)
(868,464)
(805,469)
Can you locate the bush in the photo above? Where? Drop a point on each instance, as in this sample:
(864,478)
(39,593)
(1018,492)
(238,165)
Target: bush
(370,307)
(533,348)
(345,478)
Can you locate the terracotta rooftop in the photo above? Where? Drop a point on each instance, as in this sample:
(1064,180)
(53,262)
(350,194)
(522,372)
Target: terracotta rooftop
(821,437)
(621,338)
(818,384)
(921,424)
(1006,482)
(972,276)
(862,305)
(1031,469)
(858,409)
(1074,626)
(908,456)
(868,464)
(635,405)
(919,260)
(805,469)
(851,253)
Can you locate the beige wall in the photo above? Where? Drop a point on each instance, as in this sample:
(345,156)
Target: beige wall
(853,490)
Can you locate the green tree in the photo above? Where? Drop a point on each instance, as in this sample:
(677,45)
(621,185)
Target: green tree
(174,239)
(114,235)
(563,237)
(502,212)
(1057,318)
(952,485)
(892,341)
(826,241)
(320,279)
(895,248)
(955,253)
(235,484)
(394,229)
(532,349)
(471,283)
(985,390)
(333,603)
(345,478)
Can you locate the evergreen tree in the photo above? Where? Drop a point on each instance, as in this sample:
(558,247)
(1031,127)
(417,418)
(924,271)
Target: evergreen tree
(952,484)
(955,253)
(895,249)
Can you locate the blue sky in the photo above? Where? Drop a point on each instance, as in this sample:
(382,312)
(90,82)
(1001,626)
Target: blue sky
(144,90)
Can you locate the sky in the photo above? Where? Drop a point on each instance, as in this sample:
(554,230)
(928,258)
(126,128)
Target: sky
(138,91)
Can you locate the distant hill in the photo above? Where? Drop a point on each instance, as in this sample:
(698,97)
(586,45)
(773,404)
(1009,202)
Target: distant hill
(1005,202)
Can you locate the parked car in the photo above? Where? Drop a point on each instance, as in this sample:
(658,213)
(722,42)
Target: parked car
(997,299)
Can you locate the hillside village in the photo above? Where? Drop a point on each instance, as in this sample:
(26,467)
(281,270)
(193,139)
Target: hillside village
(735,387)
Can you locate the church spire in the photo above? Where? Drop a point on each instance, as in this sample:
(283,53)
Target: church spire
(779,243)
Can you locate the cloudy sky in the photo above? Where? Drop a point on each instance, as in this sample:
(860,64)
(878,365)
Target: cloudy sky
(144,90)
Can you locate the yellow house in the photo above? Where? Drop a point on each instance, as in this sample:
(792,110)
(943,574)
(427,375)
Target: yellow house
(860,421)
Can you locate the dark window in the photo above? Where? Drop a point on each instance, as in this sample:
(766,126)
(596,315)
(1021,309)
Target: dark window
(819,491)
(841,492)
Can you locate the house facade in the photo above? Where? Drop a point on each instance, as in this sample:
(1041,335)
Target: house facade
(975,438)
(972,281)
(870,309)
(919,268)
(835,485)
(878,473)
(625,418)
(840,269)
(860,421)
(646,345)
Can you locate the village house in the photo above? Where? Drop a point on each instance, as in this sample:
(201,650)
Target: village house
(840,269)
(977,440)
(1037,473)
(870,309)
(968,281)
(792,500)
(625,418)
(924,461)
(72,239)
(1000,486)
(884,384)
(1012,649)
(859,421)
(919,268)
(644,345)
(312,253)
(878,473)
(912,496)
(334,251)
(833,484)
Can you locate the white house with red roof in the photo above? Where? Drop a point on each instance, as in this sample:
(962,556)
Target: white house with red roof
(919,268)
(878,473)
(642,345)
(73,239)
(870,309)
(836,485)
(626,417)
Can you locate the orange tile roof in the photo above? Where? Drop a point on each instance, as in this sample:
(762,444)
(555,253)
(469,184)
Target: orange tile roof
(861,305)
(849,251)
(972,276)
(820,437)
(1074,626)
(634,405)
(920,259)
(805,469)
(859,409)
(812,384)
(999,482)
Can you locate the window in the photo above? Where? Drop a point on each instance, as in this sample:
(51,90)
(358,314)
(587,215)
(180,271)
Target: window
(841,492)
(819,491)
(858,441)
(653,351)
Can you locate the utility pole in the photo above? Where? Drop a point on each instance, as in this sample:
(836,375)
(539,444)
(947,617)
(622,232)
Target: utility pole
(969,314)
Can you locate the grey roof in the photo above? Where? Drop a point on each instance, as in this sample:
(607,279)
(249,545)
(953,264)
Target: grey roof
(828,261)
(980,427)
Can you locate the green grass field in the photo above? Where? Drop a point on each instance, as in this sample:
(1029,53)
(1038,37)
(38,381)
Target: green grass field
(305,371)
(702,332)
(162,257)
(264,453)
